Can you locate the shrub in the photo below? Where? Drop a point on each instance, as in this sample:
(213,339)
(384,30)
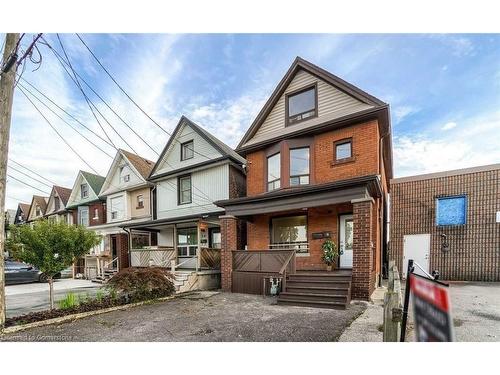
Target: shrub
(139,284)
(69,301)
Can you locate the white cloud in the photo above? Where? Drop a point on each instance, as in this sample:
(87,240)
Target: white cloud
(402,111)
(449,125)
(476,143)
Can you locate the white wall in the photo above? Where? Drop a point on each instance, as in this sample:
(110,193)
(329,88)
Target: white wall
(210,183)
(117,202)
(172,159)
(166,237)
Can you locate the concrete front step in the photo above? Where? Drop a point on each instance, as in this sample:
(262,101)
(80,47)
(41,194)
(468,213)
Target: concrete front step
(308,303)
(319,277)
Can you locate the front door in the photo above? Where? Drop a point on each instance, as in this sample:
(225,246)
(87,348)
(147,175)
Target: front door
(416,247)
(345,241)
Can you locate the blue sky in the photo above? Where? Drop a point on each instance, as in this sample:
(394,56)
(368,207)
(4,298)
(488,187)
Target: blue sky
(444,92)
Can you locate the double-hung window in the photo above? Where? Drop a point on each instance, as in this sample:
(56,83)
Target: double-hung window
(140,201)
(299,166)
(302,105)
(187,242)
(84,190)
(185,194)
(273,172)
(187,150)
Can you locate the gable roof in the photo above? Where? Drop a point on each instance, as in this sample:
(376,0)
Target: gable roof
(40,201)
(220,146)
(301,64)
(142,165)
(25,208)
(63,193)
(95,181)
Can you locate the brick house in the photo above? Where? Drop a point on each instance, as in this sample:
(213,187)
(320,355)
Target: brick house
(56,205)
(88,210)
(318,162)
(449,222)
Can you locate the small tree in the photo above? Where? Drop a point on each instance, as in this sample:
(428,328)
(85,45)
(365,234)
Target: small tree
(50,247)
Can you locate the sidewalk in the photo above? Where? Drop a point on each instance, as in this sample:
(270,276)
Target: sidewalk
(367,327)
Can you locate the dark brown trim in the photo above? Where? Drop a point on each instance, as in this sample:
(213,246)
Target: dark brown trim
(179,178)
(343,142)
(296,92)
(290,149)
(266,169)
(182,148)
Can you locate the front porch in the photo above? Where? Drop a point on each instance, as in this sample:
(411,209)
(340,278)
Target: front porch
(300,220)
(190,249)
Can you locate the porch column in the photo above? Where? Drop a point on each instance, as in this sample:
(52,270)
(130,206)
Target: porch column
(229,239)
(363,275)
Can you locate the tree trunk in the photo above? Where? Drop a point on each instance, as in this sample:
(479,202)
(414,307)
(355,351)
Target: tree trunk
(51,292)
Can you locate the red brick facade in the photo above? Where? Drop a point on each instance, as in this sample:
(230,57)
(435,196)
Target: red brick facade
(99,208)
(473,252)
(122,250)
(229,235)
(364,242)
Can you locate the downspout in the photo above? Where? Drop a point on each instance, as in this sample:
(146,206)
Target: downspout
(383,242)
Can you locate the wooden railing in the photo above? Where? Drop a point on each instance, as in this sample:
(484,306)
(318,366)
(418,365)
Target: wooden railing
(252,267)
(210,258)
(152,256)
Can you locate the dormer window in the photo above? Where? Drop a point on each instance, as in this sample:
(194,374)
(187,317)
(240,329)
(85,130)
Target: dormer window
(302,105)
(187,150)
(84,189)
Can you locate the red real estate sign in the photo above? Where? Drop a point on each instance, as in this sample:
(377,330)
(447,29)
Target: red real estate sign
(431,308)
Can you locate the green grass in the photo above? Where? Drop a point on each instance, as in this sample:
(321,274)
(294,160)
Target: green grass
(69,301)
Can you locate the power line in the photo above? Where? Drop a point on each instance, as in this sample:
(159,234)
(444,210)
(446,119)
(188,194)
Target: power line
(67,123)
(27,175)
(66,112)
(25,183)
(81,89)
(19,164)
(17,199)
(129,97)
(53,128)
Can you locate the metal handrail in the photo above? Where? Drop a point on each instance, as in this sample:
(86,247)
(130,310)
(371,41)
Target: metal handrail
(284,267)
(107,265)
(174,266)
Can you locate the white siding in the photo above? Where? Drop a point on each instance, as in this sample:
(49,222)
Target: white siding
(166,237)
(210,183)
(332,103)
(172,159)
(116,203)
(76,196)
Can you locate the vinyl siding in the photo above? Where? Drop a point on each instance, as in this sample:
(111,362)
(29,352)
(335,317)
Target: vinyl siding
(212,182)
(115,182)
(332,104)
(75,198)
(135,212)
(172,159)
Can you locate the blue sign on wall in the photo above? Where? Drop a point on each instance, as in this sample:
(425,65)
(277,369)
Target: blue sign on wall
(451,210)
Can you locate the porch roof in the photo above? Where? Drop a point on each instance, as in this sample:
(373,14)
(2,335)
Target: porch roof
(304,196)
(152,224)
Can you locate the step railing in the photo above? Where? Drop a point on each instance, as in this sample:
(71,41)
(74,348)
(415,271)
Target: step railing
(283,271)
(173,266)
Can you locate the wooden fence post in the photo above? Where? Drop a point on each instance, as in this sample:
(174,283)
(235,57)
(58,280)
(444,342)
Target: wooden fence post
(393,307)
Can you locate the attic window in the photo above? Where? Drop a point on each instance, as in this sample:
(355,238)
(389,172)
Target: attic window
(187,150)
(126,178)
(84,188)
(302,105)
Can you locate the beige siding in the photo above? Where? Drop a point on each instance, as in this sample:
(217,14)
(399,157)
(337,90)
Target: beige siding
(332,103)
(139,212)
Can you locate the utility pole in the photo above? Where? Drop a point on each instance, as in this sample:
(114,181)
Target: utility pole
(7,80)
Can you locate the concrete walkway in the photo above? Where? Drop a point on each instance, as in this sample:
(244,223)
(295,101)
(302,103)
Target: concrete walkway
(367,327)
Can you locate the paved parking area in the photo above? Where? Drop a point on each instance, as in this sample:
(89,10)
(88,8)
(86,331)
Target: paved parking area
(203,316)
(25,298)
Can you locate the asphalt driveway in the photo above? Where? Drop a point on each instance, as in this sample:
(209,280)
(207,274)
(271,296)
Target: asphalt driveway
(25,298)
(204,316)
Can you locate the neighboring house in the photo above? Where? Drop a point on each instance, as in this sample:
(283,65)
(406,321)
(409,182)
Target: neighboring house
(318,161)
(22,213)
(10,216)
(194,170)
(56,206)
(449,222)
(37,208)
(88,210)
(128,200)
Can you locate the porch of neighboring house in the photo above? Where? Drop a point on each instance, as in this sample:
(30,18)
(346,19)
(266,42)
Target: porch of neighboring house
(190,249)
(283,248)
(109,257)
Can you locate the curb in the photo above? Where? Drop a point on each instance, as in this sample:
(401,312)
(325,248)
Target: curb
(86,314)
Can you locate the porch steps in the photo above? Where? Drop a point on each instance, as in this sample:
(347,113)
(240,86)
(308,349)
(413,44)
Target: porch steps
(331,290)
(182,281)
(108,274)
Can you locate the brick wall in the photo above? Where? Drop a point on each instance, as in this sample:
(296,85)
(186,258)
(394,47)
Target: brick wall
(365,161)
(101,210)
(363,274)
(229,236)
(474,248)
(122,250)
(237,183)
